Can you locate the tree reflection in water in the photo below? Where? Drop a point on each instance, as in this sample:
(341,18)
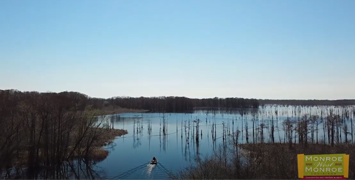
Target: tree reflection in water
(79,169)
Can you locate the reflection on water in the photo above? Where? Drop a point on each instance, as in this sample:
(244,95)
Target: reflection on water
(178,139)
(150,168)
(78,169)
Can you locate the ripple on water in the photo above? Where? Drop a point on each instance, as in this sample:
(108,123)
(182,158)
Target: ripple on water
(148,172)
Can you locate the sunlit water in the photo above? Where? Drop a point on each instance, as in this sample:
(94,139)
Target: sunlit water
(174,151)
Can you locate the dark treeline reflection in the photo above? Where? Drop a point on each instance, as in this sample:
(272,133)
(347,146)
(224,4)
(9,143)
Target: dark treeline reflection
(182,104)
(81,168)
(46,132)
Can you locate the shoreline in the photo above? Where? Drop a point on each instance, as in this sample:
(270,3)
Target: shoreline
(97,152)
(116,110)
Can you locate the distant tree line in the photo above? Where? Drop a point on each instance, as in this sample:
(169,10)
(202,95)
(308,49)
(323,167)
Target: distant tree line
(228,103)
(181,104)
(344,102)
(79,101)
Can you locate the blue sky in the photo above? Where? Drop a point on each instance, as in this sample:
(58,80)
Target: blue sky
(277,49)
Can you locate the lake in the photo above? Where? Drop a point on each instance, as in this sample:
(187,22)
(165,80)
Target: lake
(172,137)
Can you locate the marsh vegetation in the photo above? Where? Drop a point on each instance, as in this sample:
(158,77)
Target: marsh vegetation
(71,135)
(278,135)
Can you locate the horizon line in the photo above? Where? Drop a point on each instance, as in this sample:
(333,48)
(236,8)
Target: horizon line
(261,99)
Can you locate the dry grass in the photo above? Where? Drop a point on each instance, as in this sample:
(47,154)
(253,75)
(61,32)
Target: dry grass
(263,161)
(96,154)
(118,110)
(107,136)
(280,161)
(99,154)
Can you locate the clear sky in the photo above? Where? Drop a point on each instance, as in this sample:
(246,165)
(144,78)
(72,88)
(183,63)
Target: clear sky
(278,49)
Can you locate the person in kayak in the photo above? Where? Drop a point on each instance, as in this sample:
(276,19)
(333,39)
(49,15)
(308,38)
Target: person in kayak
(154,161)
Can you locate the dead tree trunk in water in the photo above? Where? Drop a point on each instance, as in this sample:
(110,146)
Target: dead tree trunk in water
(300,136)
(332,126)
(253,131)
(345,129)
(324,126)
(197,130)
(246,133)
(317,124)
(242,125)
(305,131)
(351,126)
(262,132)
(288,126)
(272,130)
(313,121)
(337,131)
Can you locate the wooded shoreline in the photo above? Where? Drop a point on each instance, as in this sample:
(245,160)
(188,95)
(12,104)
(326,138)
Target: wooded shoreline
(43,131)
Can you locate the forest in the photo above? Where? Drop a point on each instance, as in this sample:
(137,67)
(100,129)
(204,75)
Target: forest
(182,104)
(46,132)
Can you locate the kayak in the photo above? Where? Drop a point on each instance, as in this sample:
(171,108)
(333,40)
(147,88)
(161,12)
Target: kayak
(153,162)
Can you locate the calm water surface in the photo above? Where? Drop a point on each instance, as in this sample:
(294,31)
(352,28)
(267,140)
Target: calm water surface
(177,149)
